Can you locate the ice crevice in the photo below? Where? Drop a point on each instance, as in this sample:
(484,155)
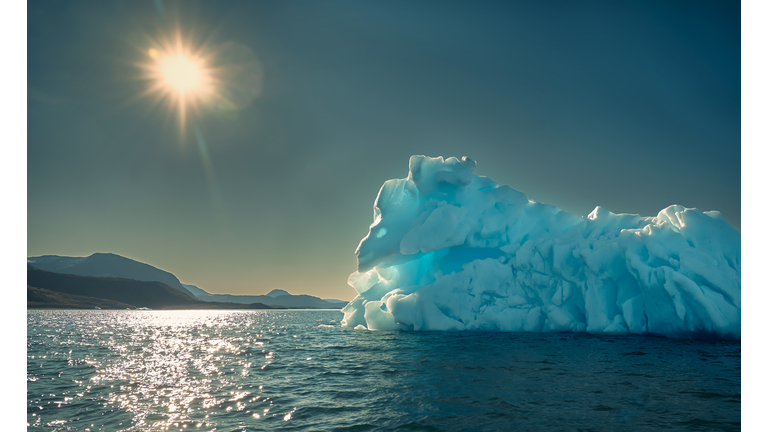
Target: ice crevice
(451,250)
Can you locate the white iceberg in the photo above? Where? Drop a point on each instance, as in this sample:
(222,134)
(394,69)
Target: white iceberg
(450,250)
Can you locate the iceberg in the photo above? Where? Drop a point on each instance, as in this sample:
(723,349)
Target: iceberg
(451,250)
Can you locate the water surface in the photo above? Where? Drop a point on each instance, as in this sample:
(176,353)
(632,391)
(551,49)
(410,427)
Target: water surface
(297,370)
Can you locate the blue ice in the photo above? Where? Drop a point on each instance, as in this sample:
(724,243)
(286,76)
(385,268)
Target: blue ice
(451,250)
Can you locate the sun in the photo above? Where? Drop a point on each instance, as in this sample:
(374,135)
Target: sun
(188,75)
(181,74)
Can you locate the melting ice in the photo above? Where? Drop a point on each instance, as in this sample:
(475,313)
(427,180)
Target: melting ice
(451,250)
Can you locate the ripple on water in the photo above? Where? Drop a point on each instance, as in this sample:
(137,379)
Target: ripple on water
(297,370)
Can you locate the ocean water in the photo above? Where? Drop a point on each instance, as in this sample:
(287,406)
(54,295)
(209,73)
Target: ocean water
(298,370)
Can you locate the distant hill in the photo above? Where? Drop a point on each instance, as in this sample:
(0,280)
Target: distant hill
(194,290)
(106,265)
(275,297)
(49,289)
(41,298)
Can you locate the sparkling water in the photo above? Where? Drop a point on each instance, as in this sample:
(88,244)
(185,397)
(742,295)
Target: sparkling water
(297,370)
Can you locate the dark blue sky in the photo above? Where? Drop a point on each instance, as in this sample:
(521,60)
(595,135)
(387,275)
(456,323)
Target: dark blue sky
(632,106)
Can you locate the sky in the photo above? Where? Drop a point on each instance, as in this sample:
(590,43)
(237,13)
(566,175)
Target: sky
(632,106)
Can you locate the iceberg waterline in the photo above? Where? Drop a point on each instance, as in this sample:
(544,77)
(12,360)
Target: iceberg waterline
(451,250)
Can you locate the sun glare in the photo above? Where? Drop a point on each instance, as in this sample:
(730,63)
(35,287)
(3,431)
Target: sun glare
(182,74)
(188,75)
(179,74)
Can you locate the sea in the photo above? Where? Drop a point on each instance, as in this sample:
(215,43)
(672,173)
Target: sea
(298,370)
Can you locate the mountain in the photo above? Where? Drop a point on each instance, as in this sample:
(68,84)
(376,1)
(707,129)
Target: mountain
(275,297)
(137,293)
(194,290)
(106,265)
(41,298)
(56,290)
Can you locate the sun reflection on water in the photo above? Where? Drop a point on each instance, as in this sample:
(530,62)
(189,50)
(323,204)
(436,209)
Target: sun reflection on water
(172,370)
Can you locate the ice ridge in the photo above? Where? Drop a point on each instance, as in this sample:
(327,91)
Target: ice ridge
(451,250)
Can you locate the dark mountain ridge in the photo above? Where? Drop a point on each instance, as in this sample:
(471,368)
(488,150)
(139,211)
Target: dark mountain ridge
(41,298)
(154,295)
(106,265)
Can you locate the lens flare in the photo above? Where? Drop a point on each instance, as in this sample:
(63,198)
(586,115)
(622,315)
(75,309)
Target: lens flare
(188,75)
(181,74)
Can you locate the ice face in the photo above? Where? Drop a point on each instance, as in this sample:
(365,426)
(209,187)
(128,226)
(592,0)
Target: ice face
(450,250)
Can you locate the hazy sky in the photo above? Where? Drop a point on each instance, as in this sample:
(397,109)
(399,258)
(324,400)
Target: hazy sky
(632,106)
